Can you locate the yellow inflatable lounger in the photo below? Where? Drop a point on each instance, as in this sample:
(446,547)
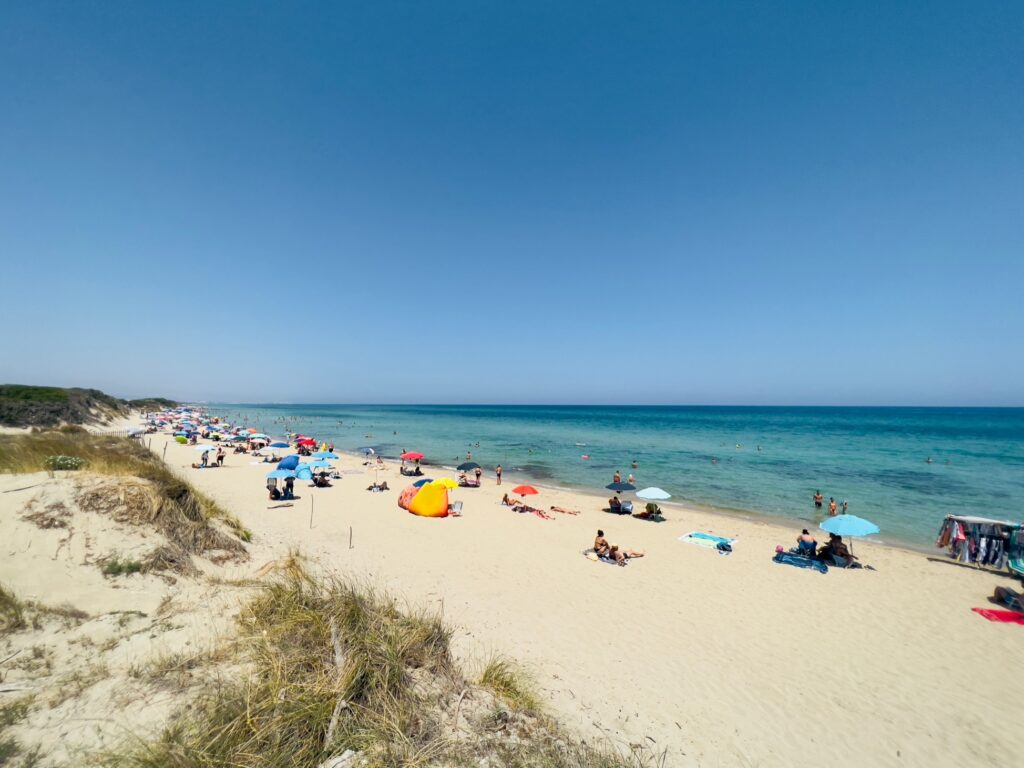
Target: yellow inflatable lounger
(428,501)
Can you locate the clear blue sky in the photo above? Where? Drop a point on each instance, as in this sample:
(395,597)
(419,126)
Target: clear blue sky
(515,202)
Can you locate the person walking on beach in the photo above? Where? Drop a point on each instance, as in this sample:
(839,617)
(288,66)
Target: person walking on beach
(220,457)
(818,499)
(497,472)
(831,507)
(478,472)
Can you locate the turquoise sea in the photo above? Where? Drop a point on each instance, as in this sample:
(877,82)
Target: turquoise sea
(767,460)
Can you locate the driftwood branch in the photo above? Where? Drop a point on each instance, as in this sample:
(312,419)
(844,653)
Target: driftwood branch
(339,664)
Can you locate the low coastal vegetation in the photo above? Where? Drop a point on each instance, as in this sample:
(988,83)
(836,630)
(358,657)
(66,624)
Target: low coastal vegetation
(23,405)
(126,480)
(328,673)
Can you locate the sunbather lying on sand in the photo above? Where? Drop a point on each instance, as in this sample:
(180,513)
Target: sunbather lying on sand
(620,556)
(565,511)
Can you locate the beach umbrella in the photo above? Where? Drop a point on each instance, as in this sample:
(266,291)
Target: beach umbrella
(319,464)
(205,448)
(258,436)
(278,445)
(238,437)
(367,451)
(325,455)
(525,490)
(181,434)
(468,466)
(181,439)
(446,482)
(421,483)
(289,462)
(304,472)
(306,441)
(620,487)
(653,494)
(412,456)
(280,473)
(849,525)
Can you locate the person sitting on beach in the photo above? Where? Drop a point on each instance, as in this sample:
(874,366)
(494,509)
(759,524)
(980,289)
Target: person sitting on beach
(651,510)
(806,543)
(614,504)
(601,546)
(321,481)
(620,556)
(836,548)
(274,493)
(507,502)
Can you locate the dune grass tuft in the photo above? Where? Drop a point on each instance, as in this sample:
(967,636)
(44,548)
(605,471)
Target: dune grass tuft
(511,684)
(12,612)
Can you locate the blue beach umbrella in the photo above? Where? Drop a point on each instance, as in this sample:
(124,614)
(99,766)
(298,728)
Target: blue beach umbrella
(181,434)
(280,473)
(849,525)
(205,448)
(424,481)
(620,487)
(319,464)
(325,455)
(278,445)
(653,494)
(289,462)
(366,451)
(304,472)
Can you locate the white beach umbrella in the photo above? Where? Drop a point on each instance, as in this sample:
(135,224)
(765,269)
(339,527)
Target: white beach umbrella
(653,494)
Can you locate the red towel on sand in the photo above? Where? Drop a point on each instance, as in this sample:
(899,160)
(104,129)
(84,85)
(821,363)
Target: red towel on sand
(1006,617)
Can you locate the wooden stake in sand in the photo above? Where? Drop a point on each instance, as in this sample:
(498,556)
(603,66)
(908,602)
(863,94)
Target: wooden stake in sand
(350,537)
(310,510)
(164,457)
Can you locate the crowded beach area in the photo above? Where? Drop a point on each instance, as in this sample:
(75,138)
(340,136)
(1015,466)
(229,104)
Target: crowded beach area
(716,639)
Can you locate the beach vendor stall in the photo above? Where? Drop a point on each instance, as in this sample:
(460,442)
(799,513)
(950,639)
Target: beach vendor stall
(983,542)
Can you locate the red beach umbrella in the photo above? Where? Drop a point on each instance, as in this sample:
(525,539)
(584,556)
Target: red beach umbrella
(525,490)
(307,441)
(412,456)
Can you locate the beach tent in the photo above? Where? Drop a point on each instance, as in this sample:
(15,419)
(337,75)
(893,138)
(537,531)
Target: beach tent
(289,462)
(427,501)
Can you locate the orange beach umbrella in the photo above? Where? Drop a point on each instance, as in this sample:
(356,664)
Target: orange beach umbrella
(525,490)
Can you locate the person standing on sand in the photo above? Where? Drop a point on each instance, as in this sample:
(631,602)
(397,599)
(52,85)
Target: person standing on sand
(818,499)
(497,472)
(220,457)
(831,507)
(478,472)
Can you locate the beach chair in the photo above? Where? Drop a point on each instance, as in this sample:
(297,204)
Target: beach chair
(1015,555)
(455,508)
(626,508)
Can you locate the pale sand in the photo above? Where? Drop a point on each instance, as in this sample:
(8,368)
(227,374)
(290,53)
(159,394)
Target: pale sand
(719,660)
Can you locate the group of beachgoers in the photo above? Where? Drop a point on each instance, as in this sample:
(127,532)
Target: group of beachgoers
(833,508)
(612,552)
(833,552)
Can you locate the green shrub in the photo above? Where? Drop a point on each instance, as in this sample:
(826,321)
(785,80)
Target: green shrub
(64,462)
(117,567)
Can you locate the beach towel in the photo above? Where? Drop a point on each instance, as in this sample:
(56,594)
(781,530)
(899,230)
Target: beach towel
(800,561)
(707,540)
(590,554)
(1003,617)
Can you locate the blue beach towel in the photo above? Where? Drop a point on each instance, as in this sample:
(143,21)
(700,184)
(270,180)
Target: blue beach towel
(800,561)
(708,541)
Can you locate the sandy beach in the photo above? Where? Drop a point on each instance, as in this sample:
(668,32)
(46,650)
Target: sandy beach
(717,660)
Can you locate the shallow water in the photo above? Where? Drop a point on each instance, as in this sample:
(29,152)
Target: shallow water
(760,459)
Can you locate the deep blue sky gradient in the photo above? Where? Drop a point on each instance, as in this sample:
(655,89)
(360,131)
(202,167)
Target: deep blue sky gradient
(790,203)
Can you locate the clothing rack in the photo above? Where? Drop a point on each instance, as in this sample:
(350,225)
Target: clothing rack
(980,541)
